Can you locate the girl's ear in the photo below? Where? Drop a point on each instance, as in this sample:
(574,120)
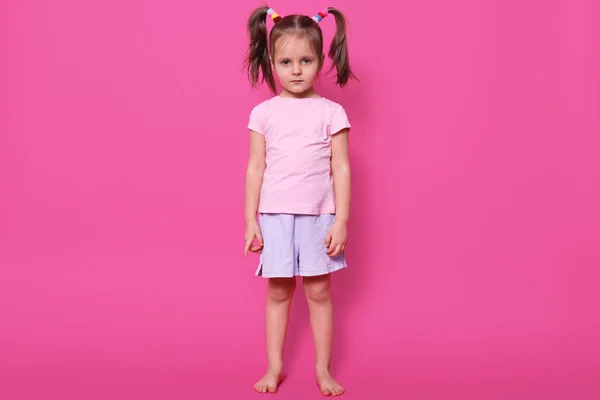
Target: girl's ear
(272,65)
(321,62)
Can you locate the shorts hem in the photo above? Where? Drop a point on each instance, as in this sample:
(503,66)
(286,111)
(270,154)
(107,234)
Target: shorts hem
(261,272)
(323,271)
(276,276)
(316,272)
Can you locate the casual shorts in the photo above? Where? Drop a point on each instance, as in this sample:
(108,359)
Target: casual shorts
(294,245)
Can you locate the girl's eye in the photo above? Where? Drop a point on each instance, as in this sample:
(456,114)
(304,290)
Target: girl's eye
(285,62)
(306,61)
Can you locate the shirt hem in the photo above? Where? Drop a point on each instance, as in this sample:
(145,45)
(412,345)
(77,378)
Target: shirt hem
(297,211)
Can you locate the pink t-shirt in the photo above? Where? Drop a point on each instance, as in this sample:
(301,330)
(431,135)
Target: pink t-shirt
(297,133)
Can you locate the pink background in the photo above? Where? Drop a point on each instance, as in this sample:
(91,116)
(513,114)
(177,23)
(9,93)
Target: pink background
(474,240)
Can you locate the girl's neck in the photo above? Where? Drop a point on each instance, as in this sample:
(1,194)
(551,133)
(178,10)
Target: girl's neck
(310,93)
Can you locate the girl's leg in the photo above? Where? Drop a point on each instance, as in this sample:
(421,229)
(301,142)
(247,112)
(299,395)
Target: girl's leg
(318,296)
(279,299)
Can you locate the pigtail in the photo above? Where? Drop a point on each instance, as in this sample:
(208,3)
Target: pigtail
(257,59)
(338,52)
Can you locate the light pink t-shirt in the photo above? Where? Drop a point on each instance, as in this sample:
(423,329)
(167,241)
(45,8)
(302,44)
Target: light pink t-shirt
(297,133)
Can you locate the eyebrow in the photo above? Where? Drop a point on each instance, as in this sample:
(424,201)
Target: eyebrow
(288,58)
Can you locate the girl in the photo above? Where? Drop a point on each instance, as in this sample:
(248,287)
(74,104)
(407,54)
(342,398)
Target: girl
(297,180)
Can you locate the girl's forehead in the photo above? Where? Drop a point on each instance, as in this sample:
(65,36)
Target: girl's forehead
(293,43)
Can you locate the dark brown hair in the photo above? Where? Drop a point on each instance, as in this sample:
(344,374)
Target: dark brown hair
(257,59)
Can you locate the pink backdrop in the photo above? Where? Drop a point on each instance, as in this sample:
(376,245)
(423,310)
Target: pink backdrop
(474,240)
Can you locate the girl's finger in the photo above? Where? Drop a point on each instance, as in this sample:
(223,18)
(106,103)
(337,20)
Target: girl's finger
(331,248)
(328,240)
(338,250)
(247,247)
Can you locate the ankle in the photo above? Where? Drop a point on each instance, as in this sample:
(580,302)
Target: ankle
(275,367)
(322,369)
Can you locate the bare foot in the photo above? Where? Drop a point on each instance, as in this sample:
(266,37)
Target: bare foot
(269,382)
(328,385)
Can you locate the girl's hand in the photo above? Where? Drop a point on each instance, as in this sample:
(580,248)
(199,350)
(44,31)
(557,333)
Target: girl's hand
(336,238)
(253,231)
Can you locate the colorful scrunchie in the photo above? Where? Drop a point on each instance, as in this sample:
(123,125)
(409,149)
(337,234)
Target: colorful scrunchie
(274,16)
(320,15)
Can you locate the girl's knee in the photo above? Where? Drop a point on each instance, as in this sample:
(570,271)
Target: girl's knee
(281,289)
(316,288)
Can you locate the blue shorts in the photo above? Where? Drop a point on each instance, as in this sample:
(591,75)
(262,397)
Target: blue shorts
(294,245)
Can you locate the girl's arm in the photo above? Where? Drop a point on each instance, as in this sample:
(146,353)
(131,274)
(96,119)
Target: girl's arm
(254,175)
(254,179)
(340,166)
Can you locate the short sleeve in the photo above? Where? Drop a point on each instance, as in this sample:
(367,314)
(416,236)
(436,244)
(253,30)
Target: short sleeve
(339,120)
(256,122)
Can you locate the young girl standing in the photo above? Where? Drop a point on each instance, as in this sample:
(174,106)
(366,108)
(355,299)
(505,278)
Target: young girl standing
(297,199)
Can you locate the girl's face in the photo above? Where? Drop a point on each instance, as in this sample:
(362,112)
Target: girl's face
(296,64)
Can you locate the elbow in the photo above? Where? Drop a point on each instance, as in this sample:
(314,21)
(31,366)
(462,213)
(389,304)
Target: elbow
(256,169)
(342,169)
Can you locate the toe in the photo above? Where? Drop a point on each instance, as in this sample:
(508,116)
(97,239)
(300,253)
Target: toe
(272,389)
